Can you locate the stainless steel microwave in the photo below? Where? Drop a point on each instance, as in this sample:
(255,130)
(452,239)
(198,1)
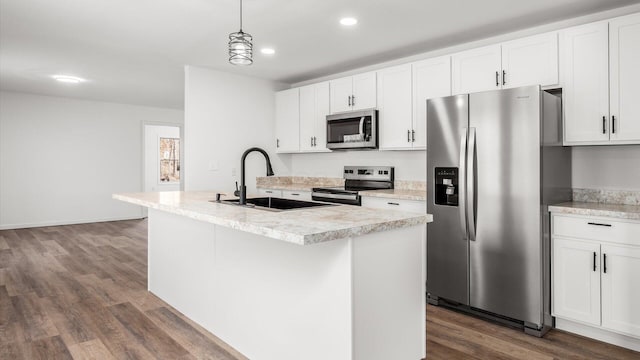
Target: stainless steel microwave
(353,130)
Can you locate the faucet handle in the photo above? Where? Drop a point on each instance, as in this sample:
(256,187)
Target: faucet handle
(237,192)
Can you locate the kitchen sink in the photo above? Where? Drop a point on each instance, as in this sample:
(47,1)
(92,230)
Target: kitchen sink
(276,204)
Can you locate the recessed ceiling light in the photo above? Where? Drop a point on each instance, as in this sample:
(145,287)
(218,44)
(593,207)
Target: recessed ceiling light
(68,79)
(267,51)
(348,21)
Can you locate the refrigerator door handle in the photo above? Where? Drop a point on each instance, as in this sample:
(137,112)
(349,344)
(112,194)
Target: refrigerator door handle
(462,184)
(471,184)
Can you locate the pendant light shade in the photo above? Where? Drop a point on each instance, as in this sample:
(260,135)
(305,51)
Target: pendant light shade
(240,46)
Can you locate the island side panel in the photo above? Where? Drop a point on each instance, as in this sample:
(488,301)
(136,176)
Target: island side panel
(389,301)
(180,266)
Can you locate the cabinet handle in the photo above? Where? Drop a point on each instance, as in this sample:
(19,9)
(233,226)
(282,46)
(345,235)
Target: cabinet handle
(393,203)
(604,125)
(349,100)
(604,265)
(594,261)
(269,192)
(277,143)
(613,124)
(408,135)
(504,77)
(311,140)
(497,81)
(315,142)
(295,194)
(599,224)
(353,100)
(413,136)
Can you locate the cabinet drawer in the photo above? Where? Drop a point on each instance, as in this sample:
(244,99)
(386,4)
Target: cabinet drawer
(596,228)
(270,192)
(395,204)
(296,195)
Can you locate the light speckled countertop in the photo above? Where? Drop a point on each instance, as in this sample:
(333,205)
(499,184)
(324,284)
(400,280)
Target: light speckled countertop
(630,212)
(301,226)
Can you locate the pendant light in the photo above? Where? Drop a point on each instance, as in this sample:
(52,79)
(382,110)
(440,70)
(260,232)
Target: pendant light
(240,46)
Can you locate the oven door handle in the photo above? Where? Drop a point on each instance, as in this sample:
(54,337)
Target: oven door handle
(335,196)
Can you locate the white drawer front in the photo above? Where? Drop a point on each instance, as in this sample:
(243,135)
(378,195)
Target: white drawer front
(597,228)
(395,204)
(270,192)
(296,195)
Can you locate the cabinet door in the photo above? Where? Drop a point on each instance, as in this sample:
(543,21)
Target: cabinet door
(585,83)
(307,117)
(394,107)
(341,90)
(621,289)
(287,121)
(322,109)
(476,70)
(576,280)
(530,61)
(364,91)
(625,76)
(431,79)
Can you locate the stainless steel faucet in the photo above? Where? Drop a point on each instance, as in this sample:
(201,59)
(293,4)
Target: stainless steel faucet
(242,193)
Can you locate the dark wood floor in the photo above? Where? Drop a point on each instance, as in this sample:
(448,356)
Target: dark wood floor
(79,292)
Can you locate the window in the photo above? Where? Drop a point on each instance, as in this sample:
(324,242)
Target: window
(169,160)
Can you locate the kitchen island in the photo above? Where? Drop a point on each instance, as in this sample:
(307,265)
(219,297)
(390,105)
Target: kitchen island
(334,282)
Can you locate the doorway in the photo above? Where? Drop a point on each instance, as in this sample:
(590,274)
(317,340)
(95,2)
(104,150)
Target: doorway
(162,158)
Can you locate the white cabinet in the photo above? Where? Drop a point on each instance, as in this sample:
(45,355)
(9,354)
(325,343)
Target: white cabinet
(476,70)
(576,280)
(621,288)
(270,193)
(287,121)
(353,93)
(431,79)
(402,101)
(296,195)
(600,79)
(584,57)
(314,107)
(624,42)
(528,61)
(595,262)
(394,107)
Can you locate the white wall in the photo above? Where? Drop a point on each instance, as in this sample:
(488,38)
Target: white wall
(606,167)
(409,165)
(225,114)
(61,159)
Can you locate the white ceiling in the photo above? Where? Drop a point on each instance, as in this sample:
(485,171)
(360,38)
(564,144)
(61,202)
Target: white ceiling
(134,51)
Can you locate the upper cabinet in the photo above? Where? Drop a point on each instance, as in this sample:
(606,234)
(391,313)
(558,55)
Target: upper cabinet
(314,108)
(288,121)
(353,93)
(529,61)
(624,42)
(476,70)
(599,77)
(402,101)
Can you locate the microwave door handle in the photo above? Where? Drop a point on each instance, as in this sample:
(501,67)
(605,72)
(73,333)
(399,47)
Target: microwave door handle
(362,126)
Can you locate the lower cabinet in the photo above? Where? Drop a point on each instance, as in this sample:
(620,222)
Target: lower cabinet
(595,267)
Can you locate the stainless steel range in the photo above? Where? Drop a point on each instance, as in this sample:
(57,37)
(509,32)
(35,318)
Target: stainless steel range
(356,178)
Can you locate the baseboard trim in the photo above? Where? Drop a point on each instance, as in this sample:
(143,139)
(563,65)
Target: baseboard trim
(73,222)
(598,334)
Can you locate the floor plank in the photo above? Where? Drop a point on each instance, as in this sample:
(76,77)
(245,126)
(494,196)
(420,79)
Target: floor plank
(80,292)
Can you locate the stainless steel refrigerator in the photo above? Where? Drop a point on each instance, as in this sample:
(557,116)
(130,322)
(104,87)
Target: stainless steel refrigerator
(495,160)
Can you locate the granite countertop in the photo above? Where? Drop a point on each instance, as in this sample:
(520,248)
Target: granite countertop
(630,212)
(301,226)
(291,187)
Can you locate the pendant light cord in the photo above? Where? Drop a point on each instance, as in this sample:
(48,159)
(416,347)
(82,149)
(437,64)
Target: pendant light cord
(240,15)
